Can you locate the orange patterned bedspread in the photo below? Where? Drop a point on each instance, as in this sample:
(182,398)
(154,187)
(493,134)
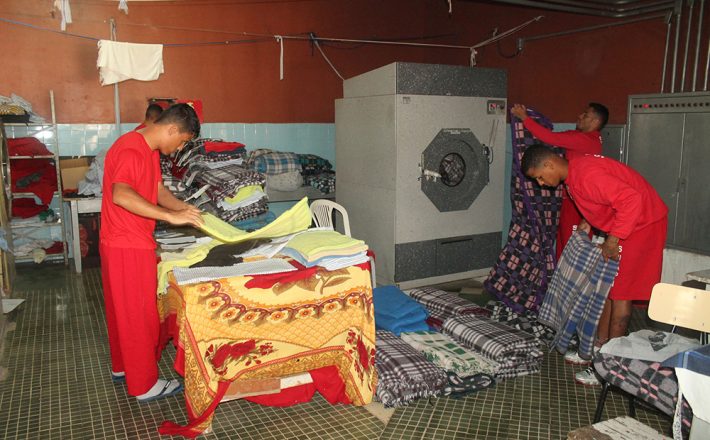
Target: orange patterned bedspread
(266,326)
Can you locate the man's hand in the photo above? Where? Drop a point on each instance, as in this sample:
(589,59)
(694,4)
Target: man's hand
(610,248)
(584,226)
(519,111)
(187,216)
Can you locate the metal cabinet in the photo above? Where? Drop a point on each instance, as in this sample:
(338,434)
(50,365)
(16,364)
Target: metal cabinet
(669,144)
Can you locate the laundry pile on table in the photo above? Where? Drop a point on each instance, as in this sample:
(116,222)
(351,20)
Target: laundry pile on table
(325,248)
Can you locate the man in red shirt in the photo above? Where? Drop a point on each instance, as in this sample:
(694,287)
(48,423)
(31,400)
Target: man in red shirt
(616,199)
(133,199)
(151,114)
(585,139)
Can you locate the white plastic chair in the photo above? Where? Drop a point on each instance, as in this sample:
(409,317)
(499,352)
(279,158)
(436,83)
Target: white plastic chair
(322,214)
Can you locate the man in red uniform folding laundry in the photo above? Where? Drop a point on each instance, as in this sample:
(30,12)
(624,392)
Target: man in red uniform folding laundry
(616,199)
(585,139)
(133,199)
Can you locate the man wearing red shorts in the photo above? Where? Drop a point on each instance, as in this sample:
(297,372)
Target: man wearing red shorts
(585,139)
(133,199)
(616,199)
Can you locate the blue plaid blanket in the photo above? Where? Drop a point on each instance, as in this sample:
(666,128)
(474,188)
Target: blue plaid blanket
(277,162)
(575,299)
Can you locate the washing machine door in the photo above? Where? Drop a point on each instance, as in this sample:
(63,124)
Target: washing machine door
(454,169)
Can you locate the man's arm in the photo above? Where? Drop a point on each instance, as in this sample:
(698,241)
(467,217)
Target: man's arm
(166,199)
(127,198)
(569,140)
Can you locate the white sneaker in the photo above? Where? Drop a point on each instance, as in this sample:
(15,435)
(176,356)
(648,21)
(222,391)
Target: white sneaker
(587,377)
(572,357)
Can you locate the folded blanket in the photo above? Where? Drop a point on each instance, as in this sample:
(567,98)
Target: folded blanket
(404,374)
(444,304)
(277,162)
(493,339)
(396,312)
(450,355)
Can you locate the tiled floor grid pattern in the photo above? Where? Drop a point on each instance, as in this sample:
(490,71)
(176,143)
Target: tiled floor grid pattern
(58,387)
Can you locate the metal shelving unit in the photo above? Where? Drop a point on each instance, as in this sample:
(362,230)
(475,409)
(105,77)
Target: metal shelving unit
(47,133)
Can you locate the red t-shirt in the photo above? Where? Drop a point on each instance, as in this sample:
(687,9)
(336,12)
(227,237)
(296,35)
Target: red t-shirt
(576,143)
(612,196)
(131,161)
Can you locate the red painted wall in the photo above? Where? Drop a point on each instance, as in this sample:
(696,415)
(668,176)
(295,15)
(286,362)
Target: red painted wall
(240,82)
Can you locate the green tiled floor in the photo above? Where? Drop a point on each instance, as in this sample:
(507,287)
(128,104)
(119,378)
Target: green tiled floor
(58,387)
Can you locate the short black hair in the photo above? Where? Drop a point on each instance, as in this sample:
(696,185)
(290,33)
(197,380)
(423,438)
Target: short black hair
(601,111)
(153,111)
(534,156)
(182,115)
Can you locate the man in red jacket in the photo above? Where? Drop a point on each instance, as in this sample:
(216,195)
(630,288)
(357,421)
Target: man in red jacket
(133,199)
(585,139)
(616,199)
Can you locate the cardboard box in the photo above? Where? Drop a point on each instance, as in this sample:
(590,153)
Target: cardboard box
(73,171)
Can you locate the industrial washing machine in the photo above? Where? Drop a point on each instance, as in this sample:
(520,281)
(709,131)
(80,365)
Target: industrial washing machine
(420,153)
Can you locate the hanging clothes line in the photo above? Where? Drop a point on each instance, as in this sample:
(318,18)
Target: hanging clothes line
(315,40)
(301,37)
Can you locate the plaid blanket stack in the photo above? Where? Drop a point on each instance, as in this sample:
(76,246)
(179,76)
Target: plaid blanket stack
(323,182)
(222,183)
(443,305)
(449,355)
(516,351)
(312,164)
(404,374)
(213,168)
(578,290)
(275,162)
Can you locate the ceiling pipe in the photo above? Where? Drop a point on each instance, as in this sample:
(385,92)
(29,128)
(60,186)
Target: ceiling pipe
(611,8)
(586,10)
(686,49)
(669,23)
(678,13)
(591,28)
(701,12)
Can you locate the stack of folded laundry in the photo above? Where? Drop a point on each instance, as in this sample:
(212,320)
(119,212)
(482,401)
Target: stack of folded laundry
(282,169)
(516,351)
(449,354)
(317,172)
(396,312)
(230,192)
(442,305)
(326,248)
(404,374)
